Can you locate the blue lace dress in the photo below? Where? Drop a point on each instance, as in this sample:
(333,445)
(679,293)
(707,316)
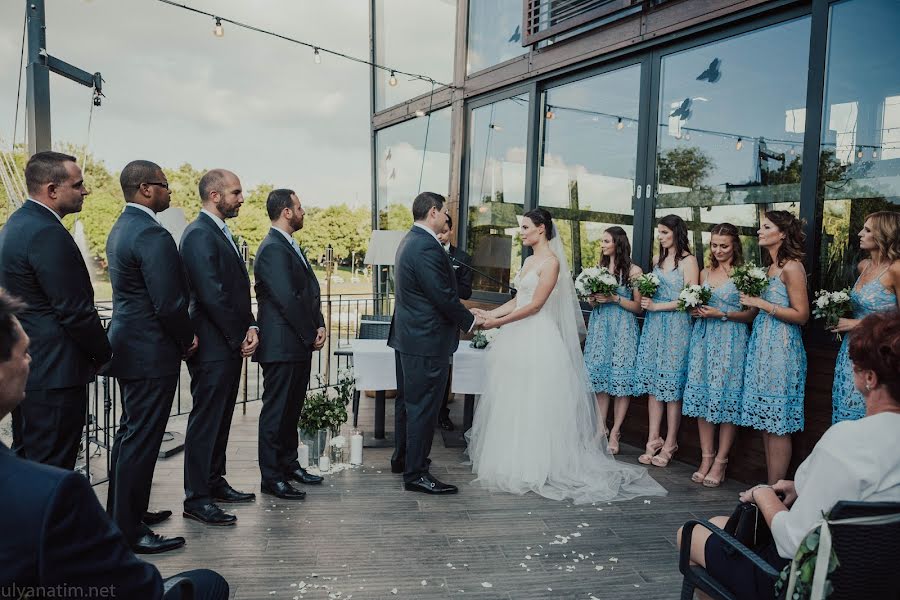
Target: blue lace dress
(718,353)
(611,347)
(662,356)
(847,402)
(775,374)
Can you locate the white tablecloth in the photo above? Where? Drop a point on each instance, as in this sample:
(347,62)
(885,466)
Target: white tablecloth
(373,365)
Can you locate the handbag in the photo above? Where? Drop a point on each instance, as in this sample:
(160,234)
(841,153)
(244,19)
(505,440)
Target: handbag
(748,526)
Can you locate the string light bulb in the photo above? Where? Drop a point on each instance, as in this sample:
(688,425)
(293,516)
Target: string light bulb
(420,113)
(218,30)
(859,152)
(550,115)
(317,58)
(739,144)
(393,80)
(620,125)
(874,153)
(687,135)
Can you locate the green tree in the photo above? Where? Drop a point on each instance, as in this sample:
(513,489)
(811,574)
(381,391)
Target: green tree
(346,229)
(252,223)
(395,216)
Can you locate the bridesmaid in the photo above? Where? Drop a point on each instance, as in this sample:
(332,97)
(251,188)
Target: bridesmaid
(661,369)
(776,359)
(717,356)
(613,333)
(876,289)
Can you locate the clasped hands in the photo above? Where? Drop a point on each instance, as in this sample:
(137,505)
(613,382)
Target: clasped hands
(483,319)
(782,487)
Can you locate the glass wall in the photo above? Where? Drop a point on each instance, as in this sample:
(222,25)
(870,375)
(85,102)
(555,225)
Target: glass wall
(495,33)
(588,159)
(495,191)
(859,156)
(416,36)
(405,166)
(730,130)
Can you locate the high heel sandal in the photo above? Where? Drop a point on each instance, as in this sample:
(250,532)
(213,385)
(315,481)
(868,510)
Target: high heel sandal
(714,483)
(650,451)
(613,445)
(664,457)
(698,475)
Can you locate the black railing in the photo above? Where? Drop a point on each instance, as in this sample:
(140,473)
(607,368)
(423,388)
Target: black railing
(104,404)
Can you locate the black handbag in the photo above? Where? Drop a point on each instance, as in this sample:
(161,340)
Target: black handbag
(748,526)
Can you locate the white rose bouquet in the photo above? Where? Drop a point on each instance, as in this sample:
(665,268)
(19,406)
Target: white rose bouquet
(483,338)
(831,306)
(693,296)
(750,279)
(596,280)
(646,284)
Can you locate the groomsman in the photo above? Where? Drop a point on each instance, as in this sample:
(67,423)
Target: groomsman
(150,332)
(41,264)
(222,319)
(290,317)
(460,261)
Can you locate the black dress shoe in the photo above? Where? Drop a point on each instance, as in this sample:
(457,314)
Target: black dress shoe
(229,495)
(283,490)
(210,514)
(156,517)
(300,475)
(446,424)
(429,485)
(398,466)
(153,543)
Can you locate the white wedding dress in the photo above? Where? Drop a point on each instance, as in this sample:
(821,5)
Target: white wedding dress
(535,424)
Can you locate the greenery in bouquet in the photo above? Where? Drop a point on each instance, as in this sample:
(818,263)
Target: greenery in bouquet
(596,280)
(482,338)
(750,279)
(646,284)
(831,306)
(693,296)
(326,406)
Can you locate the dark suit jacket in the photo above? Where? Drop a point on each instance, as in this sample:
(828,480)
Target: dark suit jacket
(463,273)
(150,328)
(427,310)
(55,533)
(289,307)
(220,291)
(41,264)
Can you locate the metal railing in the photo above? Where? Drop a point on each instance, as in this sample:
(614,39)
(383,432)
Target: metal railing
(104,403)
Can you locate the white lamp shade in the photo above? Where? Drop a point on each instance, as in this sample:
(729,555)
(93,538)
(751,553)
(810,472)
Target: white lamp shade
(383,246)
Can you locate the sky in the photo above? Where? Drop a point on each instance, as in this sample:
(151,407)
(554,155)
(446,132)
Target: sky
(175,93)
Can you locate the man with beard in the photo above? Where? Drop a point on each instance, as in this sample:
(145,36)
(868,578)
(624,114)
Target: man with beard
(223,321)
(292,328)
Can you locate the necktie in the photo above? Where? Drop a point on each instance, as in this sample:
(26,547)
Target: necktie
(300,254)
(228,235)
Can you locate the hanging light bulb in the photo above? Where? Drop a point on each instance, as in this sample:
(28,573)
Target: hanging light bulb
(550,114)
(739,144)
(687,135)
(317,57)
(874,153)
(620,125)
(393,80)
(859,152)
(218,30)
(420,113)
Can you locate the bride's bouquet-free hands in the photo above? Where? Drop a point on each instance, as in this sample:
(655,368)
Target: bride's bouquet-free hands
(596,280)
(750,280)
(831,306)
(693,296)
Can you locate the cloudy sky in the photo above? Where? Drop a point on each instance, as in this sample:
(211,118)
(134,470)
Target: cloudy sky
(175,93)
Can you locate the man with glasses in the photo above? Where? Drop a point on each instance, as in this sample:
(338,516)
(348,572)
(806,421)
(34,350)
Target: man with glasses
(41,264)
(150,333)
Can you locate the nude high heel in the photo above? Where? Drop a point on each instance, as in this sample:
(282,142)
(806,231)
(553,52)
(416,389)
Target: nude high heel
(613,445)
(698,475)
(714,483)
(650,451)
(664,457)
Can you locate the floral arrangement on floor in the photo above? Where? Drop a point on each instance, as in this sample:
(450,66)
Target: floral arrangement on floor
(693,296)
(831,306)
(596,280)
(750,279)
(326,406)
(482,338)
(646,284)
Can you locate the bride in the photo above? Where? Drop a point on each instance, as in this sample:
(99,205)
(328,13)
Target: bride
(535,427)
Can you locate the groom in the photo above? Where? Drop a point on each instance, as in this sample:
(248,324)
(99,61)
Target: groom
(424,334)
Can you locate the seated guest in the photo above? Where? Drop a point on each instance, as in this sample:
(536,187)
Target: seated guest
(854,460)
(55,533)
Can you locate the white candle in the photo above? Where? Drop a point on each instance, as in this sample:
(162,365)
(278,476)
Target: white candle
(303,455)
(356,446)
(324,464)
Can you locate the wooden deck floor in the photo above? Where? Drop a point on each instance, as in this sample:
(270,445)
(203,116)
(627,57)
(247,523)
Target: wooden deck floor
(361,535)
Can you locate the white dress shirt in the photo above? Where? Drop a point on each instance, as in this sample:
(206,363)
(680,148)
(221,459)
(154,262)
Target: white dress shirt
(52,212)
(854,460)
(294,245)
(222,227)
(143,208)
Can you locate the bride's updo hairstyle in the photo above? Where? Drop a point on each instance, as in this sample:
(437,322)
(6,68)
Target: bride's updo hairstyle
(541,216)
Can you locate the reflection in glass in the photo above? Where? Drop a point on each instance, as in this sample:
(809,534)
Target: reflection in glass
(859,157)
(730,130)
(416,36)
(589,153)
(496,189)
(403,169)
(495,33)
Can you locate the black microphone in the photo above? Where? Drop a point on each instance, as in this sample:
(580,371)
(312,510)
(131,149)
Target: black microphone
(512,290)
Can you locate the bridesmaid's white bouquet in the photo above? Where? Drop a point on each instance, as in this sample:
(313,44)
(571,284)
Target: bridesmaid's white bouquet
(831,306)
(596,280)
(483,337)
(693,296)
(750,279)
(646,284)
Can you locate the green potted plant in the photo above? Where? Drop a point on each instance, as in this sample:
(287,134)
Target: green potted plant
(324,411)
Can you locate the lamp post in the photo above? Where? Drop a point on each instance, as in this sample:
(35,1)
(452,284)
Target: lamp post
(329,268)
(245,254)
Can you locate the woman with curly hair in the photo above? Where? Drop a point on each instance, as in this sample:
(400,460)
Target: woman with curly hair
(775,374)
(876,289)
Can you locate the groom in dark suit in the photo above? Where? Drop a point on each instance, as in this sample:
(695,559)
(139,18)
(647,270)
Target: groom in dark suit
(223,321)
(291,329)
(424,334)
(150,333)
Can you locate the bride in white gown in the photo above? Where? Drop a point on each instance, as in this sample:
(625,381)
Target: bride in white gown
(534,427)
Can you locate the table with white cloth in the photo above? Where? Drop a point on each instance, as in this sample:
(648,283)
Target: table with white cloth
(375,370)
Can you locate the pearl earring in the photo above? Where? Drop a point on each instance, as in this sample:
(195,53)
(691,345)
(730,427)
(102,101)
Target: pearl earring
(868,387)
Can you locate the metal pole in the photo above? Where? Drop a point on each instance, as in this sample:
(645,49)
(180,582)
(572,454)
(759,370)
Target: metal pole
(329,267)
(245,254)
(37,75)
